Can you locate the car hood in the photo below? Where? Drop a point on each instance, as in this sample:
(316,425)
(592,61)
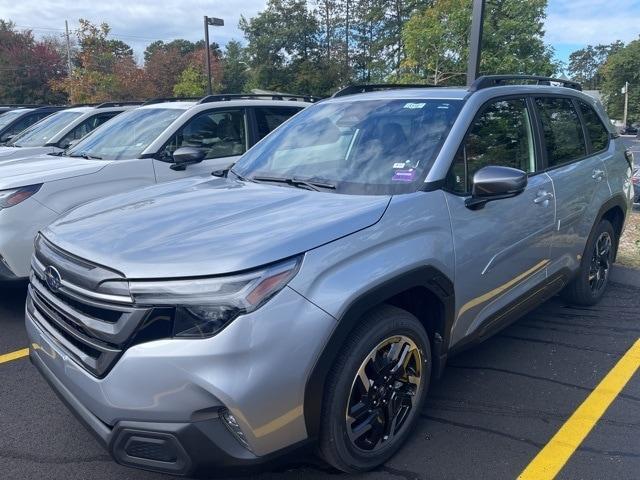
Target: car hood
(44,168)
(208,226)
(9,153)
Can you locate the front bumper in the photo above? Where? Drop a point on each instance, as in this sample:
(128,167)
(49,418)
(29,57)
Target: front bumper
(191,448)
(171,392)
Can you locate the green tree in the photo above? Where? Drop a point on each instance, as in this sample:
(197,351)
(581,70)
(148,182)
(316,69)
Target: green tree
(235,68)
(585,65)
(623,66)
(436,40)
(283,47)
(191,83)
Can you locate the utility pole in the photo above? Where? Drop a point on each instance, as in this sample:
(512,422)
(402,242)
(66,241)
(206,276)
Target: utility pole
(626,104)
(475,41)
(66,30)
(347,73)
(214,22)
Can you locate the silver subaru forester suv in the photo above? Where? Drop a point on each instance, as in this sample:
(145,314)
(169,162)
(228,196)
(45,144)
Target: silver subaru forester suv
(308,296)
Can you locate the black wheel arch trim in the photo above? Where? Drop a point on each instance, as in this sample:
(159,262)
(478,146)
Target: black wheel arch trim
(618,200)
(428,277)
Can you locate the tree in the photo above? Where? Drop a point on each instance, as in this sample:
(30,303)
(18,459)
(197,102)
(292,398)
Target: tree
(437,40)
(585,64)
(105,69)
(234,68)
(191,83)
(28,66)
(620,67)
(283,46)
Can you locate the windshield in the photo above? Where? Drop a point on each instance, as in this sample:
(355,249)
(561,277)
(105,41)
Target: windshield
(127,135)
(9,117)
(39,134)
(375,147)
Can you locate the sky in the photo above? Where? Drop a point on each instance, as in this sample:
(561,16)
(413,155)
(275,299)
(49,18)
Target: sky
(570,25)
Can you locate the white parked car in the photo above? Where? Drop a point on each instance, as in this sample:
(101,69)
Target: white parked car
(57,132)
(151,144)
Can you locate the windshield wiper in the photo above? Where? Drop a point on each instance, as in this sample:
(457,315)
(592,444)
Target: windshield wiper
(56,154)
(297,182)
(86,156)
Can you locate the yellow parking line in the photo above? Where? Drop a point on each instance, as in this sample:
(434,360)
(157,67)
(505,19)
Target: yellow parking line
(7,357)
(550,460)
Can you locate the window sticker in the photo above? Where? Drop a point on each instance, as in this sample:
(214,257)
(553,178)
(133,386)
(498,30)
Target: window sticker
(404,175)
(414,106)
(399,165)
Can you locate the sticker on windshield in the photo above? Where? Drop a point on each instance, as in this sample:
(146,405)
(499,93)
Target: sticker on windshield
(399,165)
(414,106)
(404,175)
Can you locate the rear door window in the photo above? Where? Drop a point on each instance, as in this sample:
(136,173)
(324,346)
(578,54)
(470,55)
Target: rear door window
(598,134)
(562,130)
(86,127)
(270,118)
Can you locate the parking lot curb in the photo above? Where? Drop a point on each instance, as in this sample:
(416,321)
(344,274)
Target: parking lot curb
(625,276)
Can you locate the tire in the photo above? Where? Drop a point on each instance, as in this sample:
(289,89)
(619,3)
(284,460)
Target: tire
(584,289)
(345,390)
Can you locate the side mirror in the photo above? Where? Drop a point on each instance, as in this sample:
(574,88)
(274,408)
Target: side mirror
(495,183)
(7,138)
(185,156)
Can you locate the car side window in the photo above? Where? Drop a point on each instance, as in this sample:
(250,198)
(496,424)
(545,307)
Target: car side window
(220,133)
(86,127)
(269,118)
(562,130)
(598,134)
(501,135)
(26,122)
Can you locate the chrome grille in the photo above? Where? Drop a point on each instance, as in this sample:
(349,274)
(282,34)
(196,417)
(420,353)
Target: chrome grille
(93,324)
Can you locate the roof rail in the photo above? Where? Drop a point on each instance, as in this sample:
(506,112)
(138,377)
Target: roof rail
(487,81)
(152,101)
(376,87)
(223,97)
(117,104)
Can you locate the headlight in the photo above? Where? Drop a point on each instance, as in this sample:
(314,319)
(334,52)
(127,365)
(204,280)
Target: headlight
(10,198)
(204,306)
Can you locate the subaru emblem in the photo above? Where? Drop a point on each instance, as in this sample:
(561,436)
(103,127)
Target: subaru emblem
(53,277)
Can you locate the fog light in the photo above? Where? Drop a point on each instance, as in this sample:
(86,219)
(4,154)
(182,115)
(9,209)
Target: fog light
(233,426)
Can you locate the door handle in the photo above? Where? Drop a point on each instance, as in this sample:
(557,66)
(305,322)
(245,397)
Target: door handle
(598,174)
(543,197)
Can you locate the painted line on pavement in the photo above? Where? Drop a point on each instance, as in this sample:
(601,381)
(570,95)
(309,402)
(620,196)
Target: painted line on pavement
(18,354)
(550,460)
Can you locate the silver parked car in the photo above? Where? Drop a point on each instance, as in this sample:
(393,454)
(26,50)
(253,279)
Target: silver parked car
(307,297)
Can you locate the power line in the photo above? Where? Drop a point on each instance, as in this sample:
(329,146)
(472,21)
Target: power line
(111,34)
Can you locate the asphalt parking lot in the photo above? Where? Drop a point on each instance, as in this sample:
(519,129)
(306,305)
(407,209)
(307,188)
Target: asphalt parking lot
(496,407)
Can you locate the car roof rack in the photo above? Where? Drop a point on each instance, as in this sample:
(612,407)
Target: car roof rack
(487,81)
(225,97)
(152,101)
(378,87)
(118,104)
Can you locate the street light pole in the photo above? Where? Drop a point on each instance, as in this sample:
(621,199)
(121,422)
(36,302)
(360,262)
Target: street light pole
(626,104)
(214,22)
(475,41)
